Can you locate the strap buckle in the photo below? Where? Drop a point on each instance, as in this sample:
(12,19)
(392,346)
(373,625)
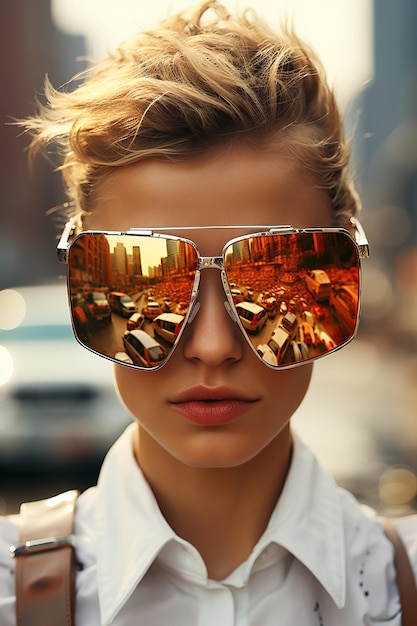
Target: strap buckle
(41,545)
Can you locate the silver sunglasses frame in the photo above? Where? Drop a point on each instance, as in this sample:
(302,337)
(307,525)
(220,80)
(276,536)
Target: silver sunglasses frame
(70,235)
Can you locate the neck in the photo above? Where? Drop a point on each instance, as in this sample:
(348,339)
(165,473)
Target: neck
(206,506)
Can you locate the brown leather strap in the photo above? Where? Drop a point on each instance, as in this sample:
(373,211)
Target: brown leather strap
(45,567)
(405,575)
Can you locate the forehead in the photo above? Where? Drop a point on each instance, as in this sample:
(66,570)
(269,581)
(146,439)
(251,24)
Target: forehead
(234,186)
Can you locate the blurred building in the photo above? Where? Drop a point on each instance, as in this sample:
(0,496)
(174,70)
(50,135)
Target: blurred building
(385,116)
(30,47)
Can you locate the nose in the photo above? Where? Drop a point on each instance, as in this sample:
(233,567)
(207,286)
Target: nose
(213,338)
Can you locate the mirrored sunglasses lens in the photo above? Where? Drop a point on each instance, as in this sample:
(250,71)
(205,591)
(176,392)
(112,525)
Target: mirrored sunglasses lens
(296,294)
(130,294)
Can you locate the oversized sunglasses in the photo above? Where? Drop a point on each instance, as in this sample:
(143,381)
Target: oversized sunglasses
(294,293)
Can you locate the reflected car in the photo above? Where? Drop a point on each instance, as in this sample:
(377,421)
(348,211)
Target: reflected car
(249,293)
(300,350)
(152,310)
(306,333)
(289,322)
(319,285)
(122,356)
(237,295)
(297,352)
(58,405)
(252,316)
(267,354)
(271,306)
(121,303)
(167,326)
(343,303)
(167,306)
(143,349)
(181,308)
(135,321)
(279,342)
(319,311)
(97,307)
(326,342)
(308,317)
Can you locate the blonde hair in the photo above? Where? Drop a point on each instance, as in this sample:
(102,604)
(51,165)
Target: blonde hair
(199,80)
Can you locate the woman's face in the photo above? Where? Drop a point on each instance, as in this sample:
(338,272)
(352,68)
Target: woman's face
(214,404)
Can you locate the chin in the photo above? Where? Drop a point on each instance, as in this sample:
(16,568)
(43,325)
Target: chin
(227,451)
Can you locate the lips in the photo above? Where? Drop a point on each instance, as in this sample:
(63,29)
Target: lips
(212,406)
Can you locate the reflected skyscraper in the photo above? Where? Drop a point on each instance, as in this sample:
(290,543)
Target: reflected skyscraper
(120,259)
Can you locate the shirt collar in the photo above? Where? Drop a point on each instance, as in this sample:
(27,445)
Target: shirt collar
(131,530)
(308,522)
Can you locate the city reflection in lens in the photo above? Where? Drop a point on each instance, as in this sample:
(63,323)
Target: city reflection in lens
(296,294)
(129,294)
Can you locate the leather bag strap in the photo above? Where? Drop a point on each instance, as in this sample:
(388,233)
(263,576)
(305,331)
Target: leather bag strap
(45,562)
(405,575)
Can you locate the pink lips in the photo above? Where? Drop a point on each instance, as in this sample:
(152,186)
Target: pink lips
(211,406)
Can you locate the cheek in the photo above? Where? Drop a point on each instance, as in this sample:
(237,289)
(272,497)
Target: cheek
(287,389)
(137,390)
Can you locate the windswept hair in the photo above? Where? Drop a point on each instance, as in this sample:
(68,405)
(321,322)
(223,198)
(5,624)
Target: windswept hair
(201,79)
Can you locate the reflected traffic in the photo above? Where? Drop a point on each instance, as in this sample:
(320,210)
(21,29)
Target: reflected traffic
(295,294)
(299,293)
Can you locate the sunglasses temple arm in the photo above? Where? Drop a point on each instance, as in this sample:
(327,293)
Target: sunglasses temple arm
(63,244)
(360,238)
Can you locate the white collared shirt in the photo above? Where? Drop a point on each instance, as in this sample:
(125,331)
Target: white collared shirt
(323,559)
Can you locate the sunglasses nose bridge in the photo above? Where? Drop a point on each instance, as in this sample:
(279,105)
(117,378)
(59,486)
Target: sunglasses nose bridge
(210,262)
(213,262)
(217,263)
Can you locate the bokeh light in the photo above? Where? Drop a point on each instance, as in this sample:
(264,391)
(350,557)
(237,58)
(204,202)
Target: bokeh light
(397,486)
(6,365)
(12,309)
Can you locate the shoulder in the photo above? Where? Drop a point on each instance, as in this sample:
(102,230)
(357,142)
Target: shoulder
(370,567)
(9,533)
(85,528)
(363,528)
(84,532)
(407,528)
(8,537)
(363,525)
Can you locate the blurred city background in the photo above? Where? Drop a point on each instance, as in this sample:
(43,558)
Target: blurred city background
(58,413)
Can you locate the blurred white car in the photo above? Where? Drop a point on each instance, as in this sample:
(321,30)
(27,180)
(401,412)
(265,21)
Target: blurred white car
(58,405)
